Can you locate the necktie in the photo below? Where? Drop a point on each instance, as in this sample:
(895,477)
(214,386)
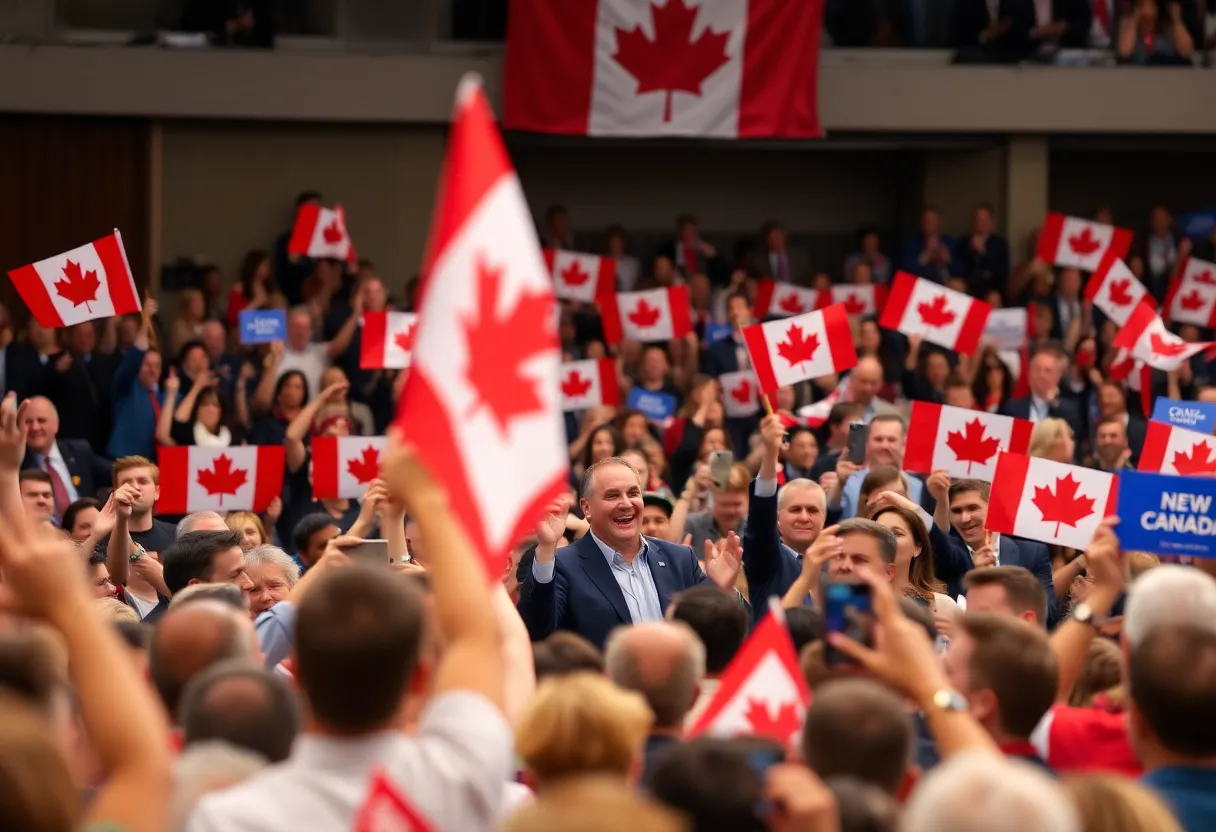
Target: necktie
(155,405)
(57,488)
(690,261)
(1102,13)
(782,270)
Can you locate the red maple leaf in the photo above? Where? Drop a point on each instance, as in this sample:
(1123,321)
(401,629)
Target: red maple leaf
(1166,349)
(498,346)
(222,478)
(1205,276)
(971,446)
(333,233)
(405,338)
(743,393)
(797,347)
(1192,301)
(644,315)
(1065,506)
(1119,294)
(1193,462)
(573,274)
(365,468)
(778,728)
(854,305)
(1084,243)
(575,386)
(672,62)
(936,313)
(76,287)
(790,303)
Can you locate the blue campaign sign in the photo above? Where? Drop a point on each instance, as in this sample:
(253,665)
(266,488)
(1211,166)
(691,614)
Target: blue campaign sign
(1166,514)
(261,326)
(716,332)
(658,407)
(1196,416)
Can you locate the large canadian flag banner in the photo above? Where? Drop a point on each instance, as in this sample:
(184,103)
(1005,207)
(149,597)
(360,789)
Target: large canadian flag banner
(1049,501)
(740,394)
(1146,337)
(481,404)
(722,68)
(791,350)
(648,315)
(1080,243)
(344,466)
(858,298)
(1171,450)
(90,281)
(321,233)
(782,300)
(1116,291)
(239,478)
(939,315)
(387,340)
(589,383)
(580,277)
(1191,298)
(963,442)
(762,692)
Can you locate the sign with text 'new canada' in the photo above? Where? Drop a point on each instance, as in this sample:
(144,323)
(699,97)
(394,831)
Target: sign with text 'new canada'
(1167,515)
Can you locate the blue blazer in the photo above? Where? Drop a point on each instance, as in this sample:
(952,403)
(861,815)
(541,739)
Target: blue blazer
(585,598)
(1013,551)
(770,566)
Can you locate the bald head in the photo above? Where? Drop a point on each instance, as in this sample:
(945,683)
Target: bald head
(243,704)
(662,660)
(865,380)
(192,637)
(42,420)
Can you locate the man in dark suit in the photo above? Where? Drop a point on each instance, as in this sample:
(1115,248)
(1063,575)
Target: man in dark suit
(776,260)
(74,469)
(612,575)
(984,255)
(730,355)
(1112,404)
(1044,373)
(77,381)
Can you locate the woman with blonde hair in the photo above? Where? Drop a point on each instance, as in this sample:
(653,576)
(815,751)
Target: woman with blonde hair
(582,723)
(1116,804)
(253,532)
(1052,439)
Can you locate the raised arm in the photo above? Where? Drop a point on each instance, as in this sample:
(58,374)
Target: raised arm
(761,540)
(164,421)
(344,335)
(1071,640)
(293,443)
(263,396)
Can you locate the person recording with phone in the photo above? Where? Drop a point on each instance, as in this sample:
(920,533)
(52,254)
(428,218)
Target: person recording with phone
(884,441)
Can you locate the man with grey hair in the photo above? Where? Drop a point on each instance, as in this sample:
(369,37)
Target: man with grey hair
(665,662)
(273,573)
(201,521)
(976,790)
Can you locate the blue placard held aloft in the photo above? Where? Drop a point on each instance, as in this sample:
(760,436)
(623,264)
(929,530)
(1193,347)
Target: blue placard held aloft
(1167,515)
(717,332)
(658,407)
(1197,416)
(261,326)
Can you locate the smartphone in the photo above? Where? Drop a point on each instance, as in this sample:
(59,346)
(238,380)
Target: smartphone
(859,433)
(848,610)
(719,468)
(373,552)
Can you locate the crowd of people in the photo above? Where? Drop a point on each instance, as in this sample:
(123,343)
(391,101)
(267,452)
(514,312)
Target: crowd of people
(250,671)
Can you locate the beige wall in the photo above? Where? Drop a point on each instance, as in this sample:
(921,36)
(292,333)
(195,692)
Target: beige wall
(228,188)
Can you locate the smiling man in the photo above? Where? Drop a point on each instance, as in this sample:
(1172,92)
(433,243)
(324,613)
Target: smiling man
(613,575)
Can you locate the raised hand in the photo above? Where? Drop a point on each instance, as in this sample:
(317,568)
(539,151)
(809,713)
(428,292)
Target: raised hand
(986,554)
(723,560)
(13,431)
(551,527)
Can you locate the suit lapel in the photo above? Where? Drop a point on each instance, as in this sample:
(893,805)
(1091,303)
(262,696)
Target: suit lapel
(597,569)
(666,575)
(1009,553)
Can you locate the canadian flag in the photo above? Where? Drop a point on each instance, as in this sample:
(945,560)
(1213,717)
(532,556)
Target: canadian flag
(481,402)
(1139,377)
(386,809)
(344,466)
(1147,338)
(88,282)
(1115,290)
(1080,243)
(589,383)
(321,233)
(387,341)
(580,277)
(727,68)
(941,316)
(963,442)
(817,413)
(740,394)
(649,315)
(1191,298)
(762,692)
(1016,362)
(1171,450)
(781,300)
(1009,328)
(791,350)
(1049,501)
(858,298)
(238,478)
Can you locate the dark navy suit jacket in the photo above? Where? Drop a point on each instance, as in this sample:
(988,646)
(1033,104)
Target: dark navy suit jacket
(770,566)
(584,596)
(1013,551)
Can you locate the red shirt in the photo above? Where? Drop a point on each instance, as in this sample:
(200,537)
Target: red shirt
(1085,739)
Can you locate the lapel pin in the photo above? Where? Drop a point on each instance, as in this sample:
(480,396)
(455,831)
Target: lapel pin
(661,563)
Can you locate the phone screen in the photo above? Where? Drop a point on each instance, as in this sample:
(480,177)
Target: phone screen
(848,610)
(719,468)
(373,552)
(859,432)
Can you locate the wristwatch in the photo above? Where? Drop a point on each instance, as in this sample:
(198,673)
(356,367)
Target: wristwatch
(1082,613)
(137,552)
(948,699)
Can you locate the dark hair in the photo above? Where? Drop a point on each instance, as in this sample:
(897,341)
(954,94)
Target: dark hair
(883,535)
(306,196)
(565,652)
(863,807)
(70,513)
(921,579)
(241,704)
(843,413)
(1013,658)
(739,294)
(553,210)
(979,385)
(806,626)
(278,386)
(134,634)
(1023,589)
(357,642)
(307,526)
(35,474)
(863,232)
(714,781)
(858,727)
(718,619)
(191,556)
(187,347)
(618,444)
(249,269)
(875,478)
(1171,681)
(962,486)
(28,669)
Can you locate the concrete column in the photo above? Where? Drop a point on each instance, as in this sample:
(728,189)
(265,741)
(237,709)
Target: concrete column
(1026,191)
